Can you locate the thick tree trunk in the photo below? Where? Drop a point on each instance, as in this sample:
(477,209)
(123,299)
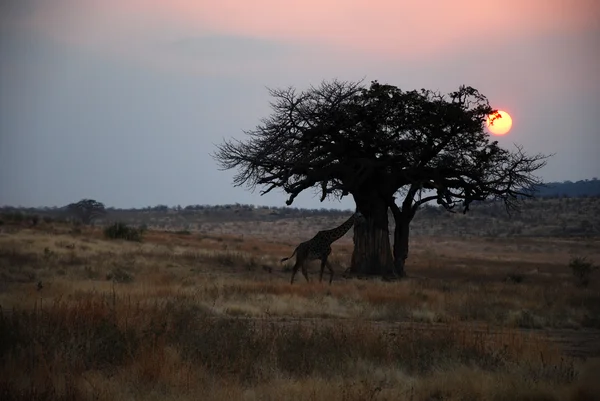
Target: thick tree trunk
(372,254)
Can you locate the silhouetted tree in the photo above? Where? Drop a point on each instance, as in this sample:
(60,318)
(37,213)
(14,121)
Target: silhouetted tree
(376,144)
(86,210)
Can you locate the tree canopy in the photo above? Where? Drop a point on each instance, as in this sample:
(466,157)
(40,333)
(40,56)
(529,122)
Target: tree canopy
(86,210)
(377,143)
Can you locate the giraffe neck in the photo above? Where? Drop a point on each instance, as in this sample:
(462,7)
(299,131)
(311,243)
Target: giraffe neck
(338,232)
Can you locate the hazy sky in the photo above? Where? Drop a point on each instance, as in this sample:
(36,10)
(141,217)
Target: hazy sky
(123,100)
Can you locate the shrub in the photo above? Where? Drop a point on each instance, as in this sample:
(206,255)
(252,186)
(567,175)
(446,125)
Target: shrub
(123,231)
(119,275)
(582,270)
(514,278)
(18,217)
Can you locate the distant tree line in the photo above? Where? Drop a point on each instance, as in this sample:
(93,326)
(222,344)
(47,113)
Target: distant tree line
(239,207)
(543,216)
(582,188)
(87,210)
(77,210)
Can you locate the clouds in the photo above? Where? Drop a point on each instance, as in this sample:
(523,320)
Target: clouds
(208,36)
(404,29)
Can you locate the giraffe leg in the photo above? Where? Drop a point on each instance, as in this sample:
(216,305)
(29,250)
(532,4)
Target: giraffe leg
(294,271)
(323,262)
(305,272)
(330,271)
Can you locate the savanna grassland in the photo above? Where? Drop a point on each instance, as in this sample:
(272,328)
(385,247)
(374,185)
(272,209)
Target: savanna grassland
(201,314)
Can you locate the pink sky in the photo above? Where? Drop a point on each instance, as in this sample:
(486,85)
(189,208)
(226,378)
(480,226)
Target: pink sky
(183,74)
(390,28)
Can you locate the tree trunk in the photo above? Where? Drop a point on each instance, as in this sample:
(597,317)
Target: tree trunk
(401,237)
(402,219)
(372,255)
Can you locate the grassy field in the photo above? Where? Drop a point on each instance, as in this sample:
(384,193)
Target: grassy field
(211,316)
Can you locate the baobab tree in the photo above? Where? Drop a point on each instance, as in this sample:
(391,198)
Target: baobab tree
(86,210)
(378,144)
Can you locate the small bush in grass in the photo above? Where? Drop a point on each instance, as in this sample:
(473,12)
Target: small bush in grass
(514,278)
(35,219)
(123,231)
(119,275)
(18,217)
(582,270)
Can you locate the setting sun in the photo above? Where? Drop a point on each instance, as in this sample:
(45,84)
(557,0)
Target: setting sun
(500,123)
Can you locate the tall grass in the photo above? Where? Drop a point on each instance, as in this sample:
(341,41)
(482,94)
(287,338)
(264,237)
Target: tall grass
(53,351)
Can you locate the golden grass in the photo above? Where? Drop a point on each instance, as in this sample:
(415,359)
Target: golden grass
(187,316)
(176,348)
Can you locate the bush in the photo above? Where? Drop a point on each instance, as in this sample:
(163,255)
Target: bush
(514,278)
(123,231)
(582,270)
(18,217)
(119,275)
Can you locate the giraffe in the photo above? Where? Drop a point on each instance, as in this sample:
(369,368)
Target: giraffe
(319,247)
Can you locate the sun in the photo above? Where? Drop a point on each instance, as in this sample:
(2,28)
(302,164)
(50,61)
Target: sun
(500,123)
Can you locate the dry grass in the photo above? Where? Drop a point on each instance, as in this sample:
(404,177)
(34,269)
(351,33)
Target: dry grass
(188,316)
(77,347)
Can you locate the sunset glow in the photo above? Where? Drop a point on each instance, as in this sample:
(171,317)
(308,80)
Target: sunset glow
(328,23)
(500,123)
(79,74)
